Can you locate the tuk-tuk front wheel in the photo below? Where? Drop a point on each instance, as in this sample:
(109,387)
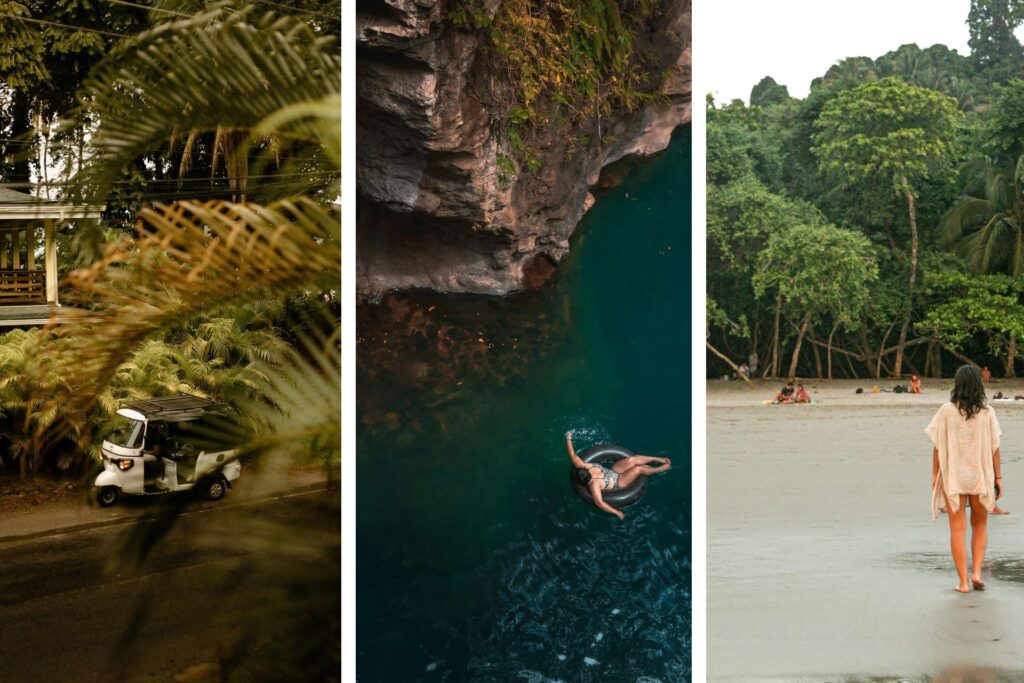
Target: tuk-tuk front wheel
(107,496)
(216,489)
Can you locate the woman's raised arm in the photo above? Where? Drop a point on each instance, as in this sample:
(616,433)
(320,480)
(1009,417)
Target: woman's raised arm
(576,461)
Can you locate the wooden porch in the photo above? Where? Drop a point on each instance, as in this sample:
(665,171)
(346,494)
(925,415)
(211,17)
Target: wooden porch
(22,287)
(22,315)
(28,257)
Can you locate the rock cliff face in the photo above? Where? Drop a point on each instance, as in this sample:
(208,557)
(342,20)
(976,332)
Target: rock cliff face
(434,208)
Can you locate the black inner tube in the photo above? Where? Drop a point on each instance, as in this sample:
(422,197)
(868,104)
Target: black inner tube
(606,454)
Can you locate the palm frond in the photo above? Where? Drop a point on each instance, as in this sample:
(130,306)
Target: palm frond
(218,70)
(190,257)
(966,216)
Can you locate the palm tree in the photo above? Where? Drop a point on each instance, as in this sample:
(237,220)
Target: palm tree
(986,226)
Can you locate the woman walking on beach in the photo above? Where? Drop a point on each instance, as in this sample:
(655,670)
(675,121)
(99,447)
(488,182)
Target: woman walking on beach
(966,468)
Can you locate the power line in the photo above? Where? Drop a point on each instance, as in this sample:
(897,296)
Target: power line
(57,183)
(148,8)
(70,27)
(287,7)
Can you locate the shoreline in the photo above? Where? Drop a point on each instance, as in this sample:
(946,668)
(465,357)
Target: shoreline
(842,392)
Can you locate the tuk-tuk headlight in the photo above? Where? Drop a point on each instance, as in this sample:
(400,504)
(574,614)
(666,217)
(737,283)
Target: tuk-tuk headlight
(125,464)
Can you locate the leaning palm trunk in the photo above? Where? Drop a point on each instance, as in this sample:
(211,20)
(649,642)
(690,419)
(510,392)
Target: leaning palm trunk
(831,334)
(898,367)
(775,337)
(799,342)
(729,362)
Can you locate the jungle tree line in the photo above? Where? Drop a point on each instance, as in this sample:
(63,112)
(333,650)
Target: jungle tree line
(874,228)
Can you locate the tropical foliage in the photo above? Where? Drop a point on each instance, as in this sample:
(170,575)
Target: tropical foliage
(211,133)
(563,62)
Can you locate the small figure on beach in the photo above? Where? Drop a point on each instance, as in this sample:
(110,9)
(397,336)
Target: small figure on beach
(915,384)
(801,395)
(785,394)
(966,470)
(600,478)
(744,371)
(986,375)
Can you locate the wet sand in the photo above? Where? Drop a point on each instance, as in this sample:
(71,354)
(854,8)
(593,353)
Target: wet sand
(823,561)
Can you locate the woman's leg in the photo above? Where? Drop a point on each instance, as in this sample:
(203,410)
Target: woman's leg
(958,540)
(979,539)
(626,478)
(621,466)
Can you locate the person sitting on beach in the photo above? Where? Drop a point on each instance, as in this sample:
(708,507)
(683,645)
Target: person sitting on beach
(986,375)
(785,395)
(801,395)
(599,478)
(744,371)
(966,470)
(915,384)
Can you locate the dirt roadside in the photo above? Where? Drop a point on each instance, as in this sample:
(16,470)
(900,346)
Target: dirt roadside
(43,505)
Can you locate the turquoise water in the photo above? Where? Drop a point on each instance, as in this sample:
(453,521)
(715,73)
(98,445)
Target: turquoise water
(476,562)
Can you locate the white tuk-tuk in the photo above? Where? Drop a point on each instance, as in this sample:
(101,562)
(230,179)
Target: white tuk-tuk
(163,445)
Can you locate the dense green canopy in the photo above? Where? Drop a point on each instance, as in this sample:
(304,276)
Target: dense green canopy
(917,158)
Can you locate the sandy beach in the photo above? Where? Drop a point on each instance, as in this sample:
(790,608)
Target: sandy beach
(823,560)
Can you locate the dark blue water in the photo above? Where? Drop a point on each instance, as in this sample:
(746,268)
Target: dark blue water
(476,562)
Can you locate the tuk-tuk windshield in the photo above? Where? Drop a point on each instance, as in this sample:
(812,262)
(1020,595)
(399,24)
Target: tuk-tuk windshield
(127,433)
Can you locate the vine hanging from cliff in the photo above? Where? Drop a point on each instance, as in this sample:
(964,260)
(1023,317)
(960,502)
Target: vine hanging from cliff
(563,62)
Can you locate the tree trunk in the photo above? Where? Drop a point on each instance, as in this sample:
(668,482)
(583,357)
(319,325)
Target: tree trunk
(732,365)
(817,354)
(853,370)
(1011,356)
(868,353)
(898,370)
(960,356)
(830,335)
(20,149)
(936,360)
(881,350)
(796,349)
(43,157)
(775,337)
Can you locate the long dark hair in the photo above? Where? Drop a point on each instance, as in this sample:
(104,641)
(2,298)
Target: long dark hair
(968,391)
(583,475)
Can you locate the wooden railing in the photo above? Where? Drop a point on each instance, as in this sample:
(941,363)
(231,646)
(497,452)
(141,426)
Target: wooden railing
(22,287)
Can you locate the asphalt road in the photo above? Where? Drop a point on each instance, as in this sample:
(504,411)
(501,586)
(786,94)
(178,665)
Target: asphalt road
(74,608)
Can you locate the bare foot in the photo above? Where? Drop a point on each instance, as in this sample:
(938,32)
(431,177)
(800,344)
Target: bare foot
(999,511)
(978,584)
(963,588)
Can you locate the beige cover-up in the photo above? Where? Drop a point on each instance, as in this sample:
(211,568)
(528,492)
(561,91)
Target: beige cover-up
(965,456)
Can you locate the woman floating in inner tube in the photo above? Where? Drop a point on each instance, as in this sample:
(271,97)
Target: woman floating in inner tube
(599,478)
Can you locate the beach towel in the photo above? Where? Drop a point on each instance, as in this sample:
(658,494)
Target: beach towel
(965,456)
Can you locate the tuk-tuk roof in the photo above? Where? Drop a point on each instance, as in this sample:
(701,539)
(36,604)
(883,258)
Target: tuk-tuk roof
(180,407)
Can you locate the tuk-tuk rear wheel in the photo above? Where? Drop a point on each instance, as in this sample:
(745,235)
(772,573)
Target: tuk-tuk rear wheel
(216,489)
(107,496)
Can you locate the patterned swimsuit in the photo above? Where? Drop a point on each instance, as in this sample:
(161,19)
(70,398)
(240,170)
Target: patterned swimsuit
(610,477)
